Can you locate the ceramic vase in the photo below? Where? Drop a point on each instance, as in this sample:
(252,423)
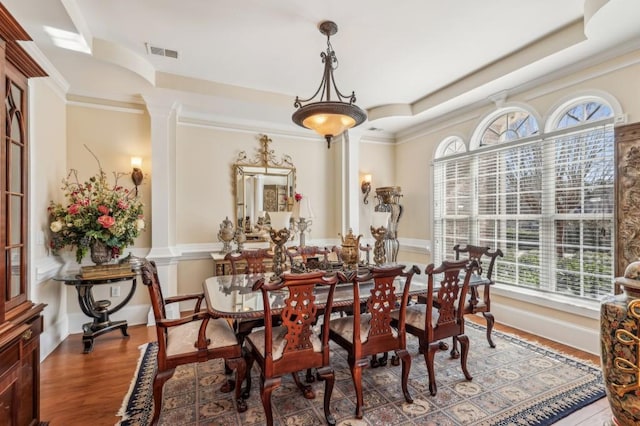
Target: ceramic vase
(620,350)
(100,252)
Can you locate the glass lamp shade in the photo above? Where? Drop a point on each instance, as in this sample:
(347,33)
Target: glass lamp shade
(329,118)
(379,219)
(279,220)
(303,209)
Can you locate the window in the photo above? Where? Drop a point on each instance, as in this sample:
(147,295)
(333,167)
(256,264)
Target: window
(546,201)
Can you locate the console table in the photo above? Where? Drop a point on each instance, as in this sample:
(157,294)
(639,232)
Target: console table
(98,310)
(223,267)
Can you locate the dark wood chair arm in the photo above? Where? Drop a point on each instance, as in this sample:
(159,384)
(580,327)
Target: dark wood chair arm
(199,297)
(166,323)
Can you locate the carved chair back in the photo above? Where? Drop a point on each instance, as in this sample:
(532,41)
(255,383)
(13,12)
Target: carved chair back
(254,260)
(305,253)
(479,254)
(448,319)
(296,319)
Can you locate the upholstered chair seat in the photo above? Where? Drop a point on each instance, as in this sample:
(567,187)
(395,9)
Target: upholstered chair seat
(279,341)
(181,338)
(343,327)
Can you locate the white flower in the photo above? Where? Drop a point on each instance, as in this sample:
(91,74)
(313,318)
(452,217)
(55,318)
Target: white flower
(140,224)
(56,226)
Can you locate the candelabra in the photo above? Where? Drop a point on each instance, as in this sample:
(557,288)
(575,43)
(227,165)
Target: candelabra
(301,225)
(302,215)
(280,234)
(379,255)
(279,237)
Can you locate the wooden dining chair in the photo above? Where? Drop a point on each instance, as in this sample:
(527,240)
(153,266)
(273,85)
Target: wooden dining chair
(302,256)
(196,337)
(365,334)
(249,261)
(474,303)
(440,317)
(292,346)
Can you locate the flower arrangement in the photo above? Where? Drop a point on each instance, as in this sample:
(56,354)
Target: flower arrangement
(95,211)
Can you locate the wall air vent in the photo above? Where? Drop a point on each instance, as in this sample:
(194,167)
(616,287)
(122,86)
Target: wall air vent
(161,51)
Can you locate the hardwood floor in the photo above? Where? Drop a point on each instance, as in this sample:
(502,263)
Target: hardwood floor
(87,389)
(79,389)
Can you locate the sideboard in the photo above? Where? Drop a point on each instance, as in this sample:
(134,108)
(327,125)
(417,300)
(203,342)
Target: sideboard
(223,267)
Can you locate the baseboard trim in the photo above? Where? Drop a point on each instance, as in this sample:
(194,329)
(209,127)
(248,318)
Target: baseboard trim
(564,332)
(52,336)
(134,314)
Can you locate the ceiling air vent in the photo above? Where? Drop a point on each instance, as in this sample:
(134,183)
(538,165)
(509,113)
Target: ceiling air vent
(161,51)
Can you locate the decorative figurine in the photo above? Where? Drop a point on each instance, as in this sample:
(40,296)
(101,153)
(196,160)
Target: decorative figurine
(350,250)
(226,234)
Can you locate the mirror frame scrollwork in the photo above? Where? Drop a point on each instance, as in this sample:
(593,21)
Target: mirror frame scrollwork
(264,162)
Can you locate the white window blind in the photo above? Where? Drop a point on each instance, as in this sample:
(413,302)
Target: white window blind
(547,203)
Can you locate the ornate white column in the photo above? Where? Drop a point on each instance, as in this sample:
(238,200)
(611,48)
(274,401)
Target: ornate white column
(349,144)
(163,115)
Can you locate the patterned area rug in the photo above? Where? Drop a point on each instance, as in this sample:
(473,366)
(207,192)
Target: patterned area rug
(516,383)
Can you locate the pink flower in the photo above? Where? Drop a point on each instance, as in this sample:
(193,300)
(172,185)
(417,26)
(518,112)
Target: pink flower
(73,209)
(103,209)
(85,202)
(106,221)
(298,196)
(122,205)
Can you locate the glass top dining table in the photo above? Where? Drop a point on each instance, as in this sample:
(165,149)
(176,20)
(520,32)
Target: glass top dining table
(231,296)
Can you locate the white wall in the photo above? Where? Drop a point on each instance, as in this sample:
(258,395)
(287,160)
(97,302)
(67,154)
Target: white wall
(48,138)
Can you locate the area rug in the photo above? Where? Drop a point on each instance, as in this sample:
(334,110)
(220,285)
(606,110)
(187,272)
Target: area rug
(516,383)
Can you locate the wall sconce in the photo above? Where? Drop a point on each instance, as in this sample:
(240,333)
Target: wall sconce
(136,174)
(365,186)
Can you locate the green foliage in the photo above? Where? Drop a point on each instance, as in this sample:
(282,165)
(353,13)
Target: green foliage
(95,211)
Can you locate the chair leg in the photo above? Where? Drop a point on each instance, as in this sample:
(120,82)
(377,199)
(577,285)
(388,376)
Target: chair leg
(307,391)
(490,321)
(239,364)
(429,356)
(229,384)
(356,375)
(327,374)
(404,355)
(455,354)
(464,344)
(158,383)
(248,357)
(310,378)
(266,389)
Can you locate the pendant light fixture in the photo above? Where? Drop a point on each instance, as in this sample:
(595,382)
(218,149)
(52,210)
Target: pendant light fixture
(328,116)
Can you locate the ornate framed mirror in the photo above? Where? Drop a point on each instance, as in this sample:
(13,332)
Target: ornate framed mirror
(262,184)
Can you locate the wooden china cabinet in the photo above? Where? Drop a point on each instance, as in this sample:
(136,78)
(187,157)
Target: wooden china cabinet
(20,319)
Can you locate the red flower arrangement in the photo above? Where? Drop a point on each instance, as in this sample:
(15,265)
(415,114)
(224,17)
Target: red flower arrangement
(95,211)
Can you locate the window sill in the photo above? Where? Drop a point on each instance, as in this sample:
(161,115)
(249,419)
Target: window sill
(585,308)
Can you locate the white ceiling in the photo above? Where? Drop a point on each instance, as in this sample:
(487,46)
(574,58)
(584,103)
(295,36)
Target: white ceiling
(407,61)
